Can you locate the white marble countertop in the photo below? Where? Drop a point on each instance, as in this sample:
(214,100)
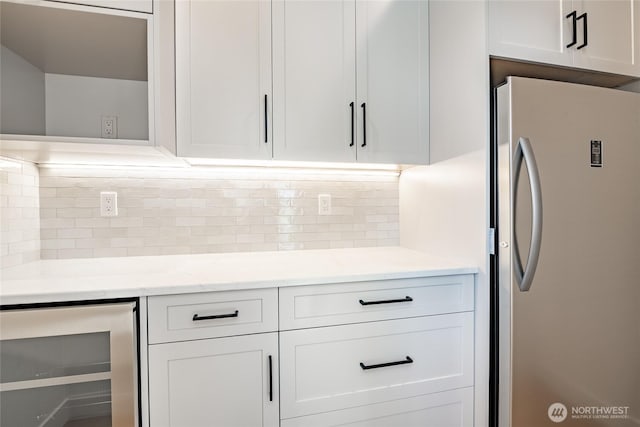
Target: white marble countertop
(100,278)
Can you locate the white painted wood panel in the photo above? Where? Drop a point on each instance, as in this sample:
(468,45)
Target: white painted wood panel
(314,79)
(223,72)
(531,30)
(171,316)
(216,382)
(613,43)
(322,372)
(326,305)
(452,408)
(393,81)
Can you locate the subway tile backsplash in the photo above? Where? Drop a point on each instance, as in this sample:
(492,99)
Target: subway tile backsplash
(19,213)
(200,210)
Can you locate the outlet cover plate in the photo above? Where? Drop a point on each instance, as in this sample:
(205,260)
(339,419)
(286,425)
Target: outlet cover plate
(108,203)
(324,204)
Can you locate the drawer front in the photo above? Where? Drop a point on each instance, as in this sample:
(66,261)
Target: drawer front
(452,408)
(339,367)
(212,314)
(326,305)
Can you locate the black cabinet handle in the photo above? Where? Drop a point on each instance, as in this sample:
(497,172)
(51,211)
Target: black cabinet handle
(352,125)
(270,379)
(266,126)
(384,365)
(573,15)
(585,33)
(386,301)
(364,124)
(218,316)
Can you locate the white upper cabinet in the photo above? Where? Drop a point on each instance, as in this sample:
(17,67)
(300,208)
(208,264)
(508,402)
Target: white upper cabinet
(351,81)
(223,79)
(531,30)
(590,34)
(393,81)
(611,38)
(314,80)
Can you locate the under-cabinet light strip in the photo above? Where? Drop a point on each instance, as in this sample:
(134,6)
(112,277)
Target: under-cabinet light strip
(236,169)
(293,164)
(6,163)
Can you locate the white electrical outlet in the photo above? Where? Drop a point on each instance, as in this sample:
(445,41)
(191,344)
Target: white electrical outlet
(108,203)
(109,127)
(324,204)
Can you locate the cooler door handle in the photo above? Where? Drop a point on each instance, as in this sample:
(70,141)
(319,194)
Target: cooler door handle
(524,151)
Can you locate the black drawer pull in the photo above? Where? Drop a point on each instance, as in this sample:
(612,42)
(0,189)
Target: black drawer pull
(386,301)
(384,365)
(218,316)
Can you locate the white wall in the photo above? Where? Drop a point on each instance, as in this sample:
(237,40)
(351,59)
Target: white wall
(75,106)
(21,95)
(443,207)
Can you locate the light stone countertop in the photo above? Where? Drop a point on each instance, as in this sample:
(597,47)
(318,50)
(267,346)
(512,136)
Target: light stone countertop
(101,278)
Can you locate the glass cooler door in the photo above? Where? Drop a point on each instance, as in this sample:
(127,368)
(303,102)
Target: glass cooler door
(69,366)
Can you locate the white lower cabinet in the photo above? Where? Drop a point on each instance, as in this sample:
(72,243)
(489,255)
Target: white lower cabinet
(384,353)
(230,382)
(453,408)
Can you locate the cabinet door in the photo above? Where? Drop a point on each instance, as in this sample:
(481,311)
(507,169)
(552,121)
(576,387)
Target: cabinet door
(229,382)
(314,79)
(531,30)
(393,81)
(223,74)
(613,36)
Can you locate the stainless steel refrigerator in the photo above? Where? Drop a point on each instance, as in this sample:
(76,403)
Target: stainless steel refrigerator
(568,255)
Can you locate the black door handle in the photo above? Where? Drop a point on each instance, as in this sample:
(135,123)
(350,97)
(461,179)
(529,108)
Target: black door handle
(352,125)
(364,124)
(386,301)
(266,127)
(585,34)
(384,365)
(573,15)
(270,379)
(218,316)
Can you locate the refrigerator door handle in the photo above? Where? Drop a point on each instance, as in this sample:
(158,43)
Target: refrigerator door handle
(524,151)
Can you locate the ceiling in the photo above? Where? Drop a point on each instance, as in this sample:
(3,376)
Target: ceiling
(61,41)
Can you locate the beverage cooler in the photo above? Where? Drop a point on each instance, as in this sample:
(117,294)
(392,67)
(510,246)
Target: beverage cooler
(72,366)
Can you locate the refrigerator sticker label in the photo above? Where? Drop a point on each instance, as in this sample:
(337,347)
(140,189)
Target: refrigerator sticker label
(596,154)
